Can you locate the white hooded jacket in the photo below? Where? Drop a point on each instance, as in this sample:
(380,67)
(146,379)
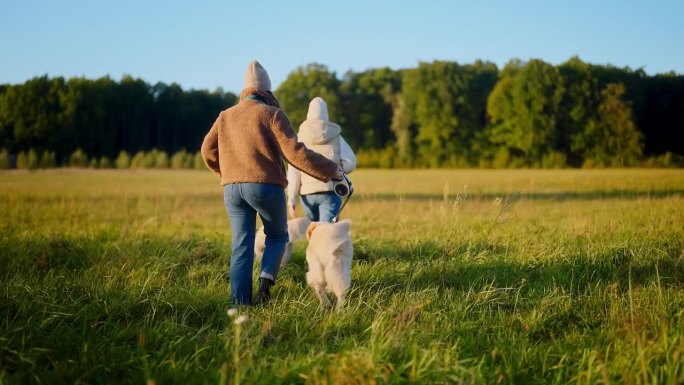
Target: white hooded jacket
(322,136)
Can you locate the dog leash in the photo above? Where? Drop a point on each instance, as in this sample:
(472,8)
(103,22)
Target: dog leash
(337,217)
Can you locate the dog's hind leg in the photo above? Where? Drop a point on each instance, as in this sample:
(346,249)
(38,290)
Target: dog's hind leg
(338,284)
(315,279)
(319,288)
(340,294)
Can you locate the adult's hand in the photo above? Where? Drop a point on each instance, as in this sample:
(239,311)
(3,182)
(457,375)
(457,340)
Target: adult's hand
(339,175)
(291,211)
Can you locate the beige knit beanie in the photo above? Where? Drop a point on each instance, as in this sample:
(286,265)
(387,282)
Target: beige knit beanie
(256,76)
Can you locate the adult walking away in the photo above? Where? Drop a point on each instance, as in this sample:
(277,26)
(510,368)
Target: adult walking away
(318,133)
(246,146)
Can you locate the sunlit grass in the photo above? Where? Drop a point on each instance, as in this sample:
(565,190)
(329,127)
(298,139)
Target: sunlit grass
(512,276)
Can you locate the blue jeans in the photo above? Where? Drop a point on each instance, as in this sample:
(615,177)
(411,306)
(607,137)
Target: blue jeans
(243,202)
(321,207)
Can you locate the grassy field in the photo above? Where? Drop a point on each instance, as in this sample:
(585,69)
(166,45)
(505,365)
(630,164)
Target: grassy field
(492,277)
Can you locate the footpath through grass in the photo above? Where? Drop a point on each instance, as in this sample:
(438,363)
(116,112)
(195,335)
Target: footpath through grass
(510,277)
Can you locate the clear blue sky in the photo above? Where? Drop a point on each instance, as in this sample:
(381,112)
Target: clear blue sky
(207,44)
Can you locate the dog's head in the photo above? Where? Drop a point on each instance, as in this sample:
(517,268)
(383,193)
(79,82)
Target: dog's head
(339,227)
(310,229)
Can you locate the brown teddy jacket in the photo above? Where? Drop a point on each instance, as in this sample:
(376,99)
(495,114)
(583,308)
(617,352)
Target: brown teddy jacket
(248,142)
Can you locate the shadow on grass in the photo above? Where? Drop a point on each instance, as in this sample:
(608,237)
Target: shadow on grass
(419,266)
(181,264)
(156,289)
(35,254)
(471,266)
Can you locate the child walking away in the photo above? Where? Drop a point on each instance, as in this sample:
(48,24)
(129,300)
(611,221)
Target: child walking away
(318,133)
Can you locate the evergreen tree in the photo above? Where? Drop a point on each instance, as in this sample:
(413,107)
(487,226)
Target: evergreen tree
(48,159)
(178,160)
(5,159)
(32,160)
(78,159)
(123,161)
(199,162)
(578,109)
(161,159)
(22,161)
(404,130)
(138,160)
(105,162)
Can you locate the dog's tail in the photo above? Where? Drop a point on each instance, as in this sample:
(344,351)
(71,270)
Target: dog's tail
(296,228)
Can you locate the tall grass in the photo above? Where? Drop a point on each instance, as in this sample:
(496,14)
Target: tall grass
(459,277)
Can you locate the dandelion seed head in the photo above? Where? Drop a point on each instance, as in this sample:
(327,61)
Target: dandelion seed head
(232,312)
(241,319)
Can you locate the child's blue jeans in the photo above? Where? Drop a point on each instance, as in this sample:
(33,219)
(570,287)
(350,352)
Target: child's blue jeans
(321,207)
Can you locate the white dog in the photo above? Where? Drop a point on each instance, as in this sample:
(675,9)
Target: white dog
(329,256)
(295,228)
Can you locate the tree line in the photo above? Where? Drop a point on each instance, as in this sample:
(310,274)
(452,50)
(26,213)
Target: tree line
(438,114)
(102,117)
